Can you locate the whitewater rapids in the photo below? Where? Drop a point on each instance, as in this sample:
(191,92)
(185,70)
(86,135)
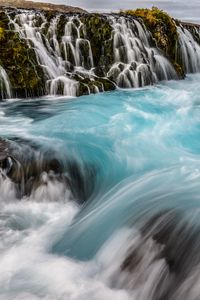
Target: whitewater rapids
(135,234)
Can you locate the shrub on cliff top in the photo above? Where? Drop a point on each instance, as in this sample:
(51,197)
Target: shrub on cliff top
(163,29)
(161,25)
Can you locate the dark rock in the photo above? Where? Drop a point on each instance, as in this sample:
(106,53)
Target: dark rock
(25,164)
(99,71)
(98,32)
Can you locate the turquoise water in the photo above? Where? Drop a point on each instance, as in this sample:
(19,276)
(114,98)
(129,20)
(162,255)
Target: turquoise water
(144,148)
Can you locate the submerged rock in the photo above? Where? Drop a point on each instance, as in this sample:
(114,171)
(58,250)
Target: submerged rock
(7,161)
(30,168)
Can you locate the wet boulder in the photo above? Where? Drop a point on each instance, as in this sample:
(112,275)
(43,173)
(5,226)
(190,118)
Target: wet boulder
(29,167)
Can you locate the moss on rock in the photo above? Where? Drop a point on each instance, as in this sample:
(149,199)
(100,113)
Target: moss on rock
(98,31)
(61,27)
(161,25)
(92,85)
(2,34)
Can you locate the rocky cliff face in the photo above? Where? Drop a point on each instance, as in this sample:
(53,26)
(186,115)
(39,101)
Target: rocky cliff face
(48,52)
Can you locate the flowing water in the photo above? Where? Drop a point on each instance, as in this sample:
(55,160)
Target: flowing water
(137,62)
(5,86)
(112,210)
(190,49)
(65,53)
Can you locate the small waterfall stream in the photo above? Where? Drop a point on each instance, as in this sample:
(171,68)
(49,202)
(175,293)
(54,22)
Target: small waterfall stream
(5,86)
(188,51)
(137,62)
(48,50)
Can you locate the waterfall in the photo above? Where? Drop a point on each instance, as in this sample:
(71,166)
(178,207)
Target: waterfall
(56,55)
(5,86)
(188,52)
(76,58)
(47,50)
(72,40)
(137,63)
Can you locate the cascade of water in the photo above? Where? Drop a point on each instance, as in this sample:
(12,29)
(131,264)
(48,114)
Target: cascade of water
(188,51)
(56,55)
(5,86)
(72,39)
(136,62)
(63,50)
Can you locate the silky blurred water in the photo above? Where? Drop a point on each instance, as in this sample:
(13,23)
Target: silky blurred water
(145,149)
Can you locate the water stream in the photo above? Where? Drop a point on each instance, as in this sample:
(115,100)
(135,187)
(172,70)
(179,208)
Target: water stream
(109,204)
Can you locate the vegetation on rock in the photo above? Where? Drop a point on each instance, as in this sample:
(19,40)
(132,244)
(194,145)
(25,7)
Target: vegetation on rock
(99,32)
